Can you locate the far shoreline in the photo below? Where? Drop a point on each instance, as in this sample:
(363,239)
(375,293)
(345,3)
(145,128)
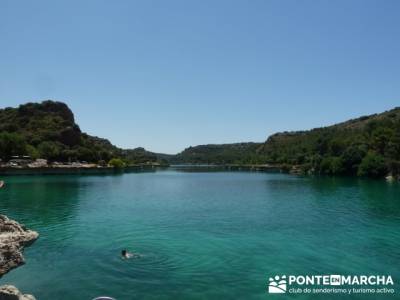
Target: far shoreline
(109,170)
(97,170)
(104,170)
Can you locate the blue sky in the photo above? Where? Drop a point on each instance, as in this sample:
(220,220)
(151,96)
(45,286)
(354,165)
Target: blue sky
(169,74)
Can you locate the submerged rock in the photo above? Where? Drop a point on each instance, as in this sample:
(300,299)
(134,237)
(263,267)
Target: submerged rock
(13,238)
(10,292)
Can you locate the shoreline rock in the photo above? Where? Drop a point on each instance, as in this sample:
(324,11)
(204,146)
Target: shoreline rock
(10,292)
(13,238)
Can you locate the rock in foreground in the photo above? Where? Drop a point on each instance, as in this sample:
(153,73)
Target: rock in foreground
(13,238)
(10,292)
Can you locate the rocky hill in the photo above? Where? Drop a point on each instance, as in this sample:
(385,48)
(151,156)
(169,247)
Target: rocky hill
(48,130)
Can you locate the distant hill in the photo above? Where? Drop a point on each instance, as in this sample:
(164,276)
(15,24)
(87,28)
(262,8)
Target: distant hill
(48,130)
(239,153)
(366,146)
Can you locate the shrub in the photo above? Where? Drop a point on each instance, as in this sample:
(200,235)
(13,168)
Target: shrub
(116,163)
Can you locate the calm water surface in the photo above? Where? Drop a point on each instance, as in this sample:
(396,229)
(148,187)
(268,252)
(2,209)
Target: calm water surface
(202,235)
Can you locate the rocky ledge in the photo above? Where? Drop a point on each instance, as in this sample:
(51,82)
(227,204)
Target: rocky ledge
(10,292)
(13,238)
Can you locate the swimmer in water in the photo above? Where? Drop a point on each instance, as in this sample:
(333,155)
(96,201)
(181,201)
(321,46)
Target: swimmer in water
(125,254)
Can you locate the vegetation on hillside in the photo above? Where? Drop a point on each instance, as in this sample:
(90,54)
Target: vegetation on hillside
(367,146)
(48,130)
(240,153)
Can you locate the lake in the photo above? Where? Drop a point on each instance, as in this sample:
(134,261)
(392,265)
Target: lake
(201,235)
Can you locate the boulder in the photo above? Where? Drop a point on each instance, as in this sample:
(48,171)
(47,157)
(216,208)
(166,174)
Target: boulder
(10,292)
(13,238)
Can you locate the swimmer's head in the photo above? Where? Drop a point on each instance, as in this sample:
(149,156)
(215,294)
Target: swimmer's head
(123,252)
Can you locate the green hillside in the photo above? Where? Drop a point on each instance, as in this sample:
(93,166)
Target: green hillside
(366,146)
(48,130)
(239,153)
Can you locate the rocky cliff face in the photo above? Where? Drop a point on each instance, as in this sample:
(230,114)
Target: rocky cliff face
(13,238)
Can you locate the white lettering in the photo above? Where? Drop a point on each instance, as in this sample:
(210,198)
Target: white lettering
(300,280)
(346,279)
(292,279)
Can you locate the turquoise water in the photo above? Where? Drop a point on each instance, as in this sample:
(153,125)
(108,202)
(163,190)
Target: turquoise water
(202,235)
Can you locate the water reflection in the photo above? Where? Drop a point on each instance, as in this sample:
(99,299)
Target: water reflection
(41,200)
(381,198)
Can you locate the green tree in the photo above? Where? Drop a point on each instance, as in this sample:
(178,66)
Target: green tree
(116,163)
(394,167)
(11,144)
(352,157)
(32,152)
(393,147)
(381,138)
(49,150)
(87,154)
(332,165)
(336,146)
(372,165)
